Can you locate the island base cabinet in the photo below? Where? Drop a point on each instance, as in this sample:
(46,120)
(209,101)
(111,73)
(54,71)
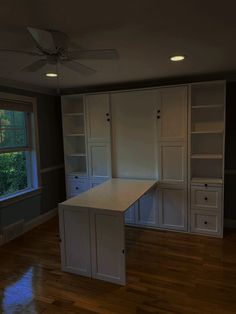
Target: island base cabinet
(93,243)
(173,208)
(75,241)
(108,247)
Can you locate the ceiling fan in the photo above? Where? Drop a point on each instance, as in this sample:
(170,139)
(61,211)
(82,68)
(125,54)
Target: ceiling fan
(53,48)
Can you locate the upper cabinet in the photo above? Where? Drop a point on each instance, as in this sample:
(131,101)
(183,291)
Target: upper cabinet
(172,114)
(98,118)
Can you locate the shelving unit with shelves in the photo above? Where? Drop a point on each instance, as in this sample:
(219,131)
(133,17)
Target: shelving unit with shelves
(206,151)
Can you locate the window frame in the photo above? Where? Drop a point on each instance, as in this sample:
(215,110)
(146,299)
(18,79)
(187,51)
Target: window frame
(33,161)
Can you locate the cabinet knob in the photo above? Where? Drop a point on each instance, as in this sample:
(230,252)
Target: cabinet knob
(206,185)
(158,111)
(206,198)
(158,117)
(76,177)
(108,120)
(107,114)
(77,188)
(205,222)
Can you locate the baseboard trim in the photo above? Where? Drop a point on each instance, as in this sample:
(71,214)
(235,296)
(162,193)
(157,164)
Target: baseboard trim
(40,219)
(35,222)
(230,223)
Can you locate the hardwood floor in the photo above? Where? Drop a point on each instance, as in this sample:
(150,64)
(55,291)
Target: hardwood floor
(166,273)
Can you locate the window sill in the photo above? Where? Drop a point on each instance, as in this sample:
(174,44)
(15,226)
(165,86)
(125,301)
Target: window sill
(11,199)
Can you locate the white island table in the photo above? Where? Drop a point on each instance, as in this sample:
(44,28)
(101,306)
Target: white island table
(92,229)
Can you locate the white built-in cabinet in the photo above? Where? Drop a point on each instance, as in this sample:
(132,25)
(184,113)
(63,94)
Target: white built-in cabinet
(173,134)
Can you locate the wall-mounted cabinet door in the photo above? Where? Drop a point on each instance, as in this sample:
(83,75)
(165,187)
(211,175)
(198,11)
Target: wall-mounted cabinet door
(99,160)
(173,208)
(172,114)
(172,163)
(147,211)
(98,118)
(75,244)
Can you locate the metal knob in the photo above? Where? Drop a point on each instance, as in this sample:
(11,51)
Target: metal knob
(206,185)
(77,188)
(206,198)
(107,114)
(158,111)
(158,117)
(205,222)
(108,120)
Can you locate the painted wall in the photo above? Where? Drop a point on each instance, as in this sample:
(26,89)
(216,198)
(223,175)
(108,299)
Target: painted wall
(51,155)
(230,152)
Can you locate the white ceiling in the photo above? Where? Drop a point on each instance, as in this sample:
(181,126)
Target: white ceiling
(145,33)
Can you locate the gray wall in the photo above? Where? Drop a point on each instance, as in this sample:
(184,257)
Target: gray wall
(51,155)
(230,152)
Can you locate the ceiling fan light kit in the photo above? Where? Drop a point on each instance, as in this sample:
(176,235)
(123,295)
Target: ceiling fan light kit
(53,49)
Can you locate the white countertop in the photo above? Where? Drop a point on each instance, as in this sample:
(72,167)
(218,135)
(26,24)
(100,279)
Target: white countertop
(114,194)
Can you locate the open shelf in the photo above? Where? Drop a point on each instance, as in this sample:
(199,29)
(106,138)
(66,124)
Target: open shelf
(207,106)
(206,180)
(75,134)
(72,105)
(207,132)
(76,164)
(206,156)
(76,155)
(75,114)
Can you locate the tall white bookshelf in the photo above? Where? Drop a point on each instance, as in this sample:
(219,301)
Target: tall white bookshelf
(206,156)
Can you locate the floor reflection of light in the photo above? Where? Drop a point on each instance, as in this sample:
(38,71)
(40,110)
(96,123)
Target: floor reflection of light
(18,297)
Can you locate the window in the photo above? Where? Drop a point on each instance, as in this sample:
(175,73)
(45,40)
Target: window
(17,154)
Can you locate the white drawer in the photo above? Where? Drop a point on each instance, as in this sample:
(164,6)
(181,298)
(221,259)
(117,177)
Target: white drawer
(75,187)
(205,222)
(206,198)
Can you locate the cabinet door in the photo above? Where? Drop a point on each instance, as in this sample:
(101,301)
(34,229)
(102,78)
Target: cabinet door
(130,214)
(108,246)
(99,160)
(172,114)
(98,118)
(173,208)
(172,163)
(75,244)
(146,213)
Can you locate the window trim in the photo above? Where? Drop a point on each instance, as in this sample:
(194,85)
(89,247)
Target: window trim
(33,147)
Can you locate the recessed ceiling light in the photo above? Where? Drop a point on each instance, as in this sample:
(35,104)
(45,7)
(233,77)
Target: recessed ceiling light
(177,58)
(51,74)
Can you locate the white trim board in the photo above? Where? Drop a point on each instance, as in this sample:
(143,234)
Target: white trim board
(35,222)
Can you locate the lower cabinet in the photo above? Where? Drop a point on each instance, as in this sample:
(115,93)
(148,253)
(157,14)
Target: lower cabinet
(173,208)
(93,243)
(75,249)
(145,211)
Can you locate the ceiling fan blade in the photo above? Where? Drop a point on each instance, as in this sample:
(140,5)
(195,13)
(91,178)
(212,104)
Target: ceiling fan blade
(43,38)
(100,54)
(21,52)
(33,67)
(78,67)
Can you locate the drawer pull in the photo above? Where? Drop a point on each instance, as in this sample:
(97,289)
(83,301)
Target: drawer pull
(205,222)
(206,199)
(107,114)
(77,188)
(76,177)
(108,120)
(206,185)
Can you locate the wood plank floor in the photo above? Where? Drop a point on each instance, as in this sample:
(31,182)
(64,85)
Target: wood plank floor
(166,272)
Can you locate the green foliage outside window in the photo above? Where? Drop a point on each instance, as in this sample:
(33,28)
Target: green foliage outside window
(13,135)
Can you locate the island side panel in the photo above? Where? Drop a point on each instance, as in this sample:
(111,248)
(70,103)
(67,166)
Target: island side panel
(108,246)
(75,240)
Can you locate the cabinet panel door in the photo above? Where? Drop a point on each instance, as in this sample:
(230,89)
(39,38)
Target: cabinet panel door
(147,212)
(75,245)
(99,160)
(108,244)
(173,208)
(134,134)
(130,214)
(172,157)
(98,114)
(172,114)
